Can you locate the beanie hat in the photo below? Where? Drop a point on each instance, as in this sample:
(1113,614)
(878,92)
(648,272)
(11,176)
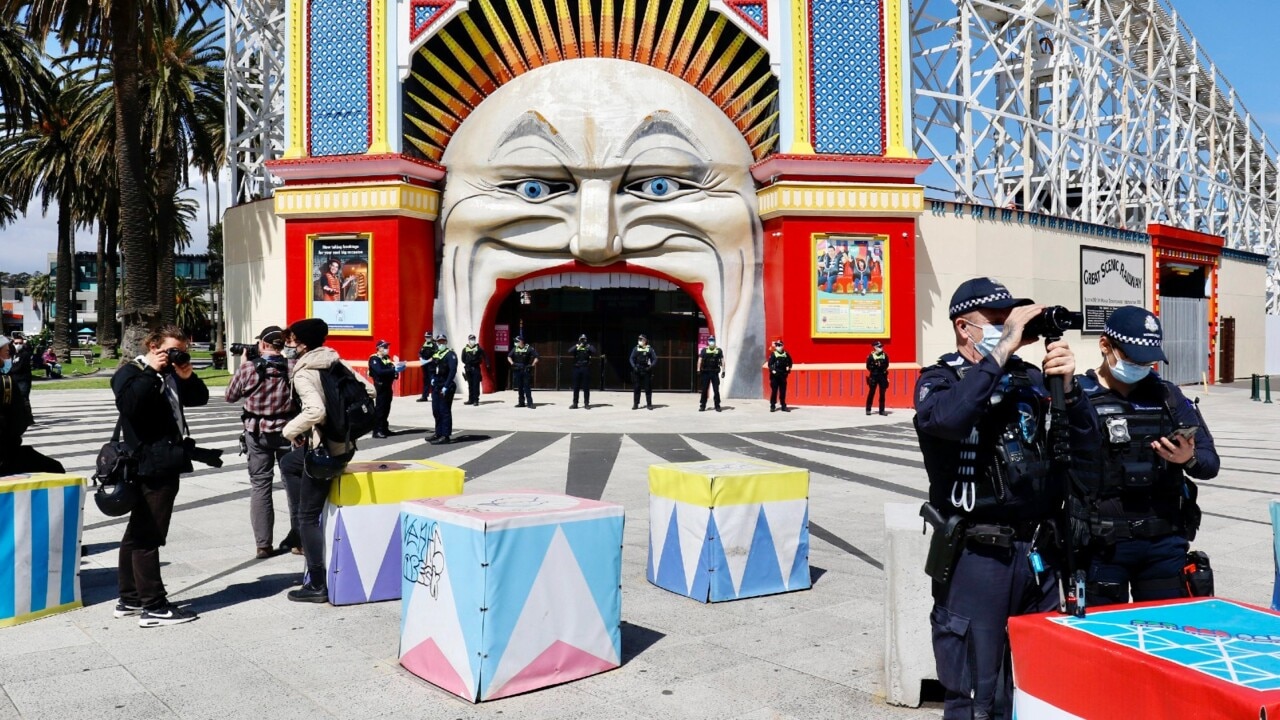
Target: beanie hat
(310,332)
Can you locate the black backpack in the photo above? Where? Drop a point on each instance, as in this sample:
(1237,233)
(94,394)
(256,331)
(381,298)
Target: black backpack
(348,409)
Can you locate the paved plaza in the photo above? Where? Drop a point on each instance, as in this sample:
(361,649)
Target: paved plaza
(812,654)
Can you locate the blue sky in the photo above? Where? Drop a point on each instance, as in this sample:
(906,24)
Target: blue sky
(1237,34)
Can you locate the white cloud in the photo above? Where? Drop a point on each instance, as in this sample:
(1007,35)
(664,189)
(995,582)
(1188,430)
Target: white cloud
(25,245)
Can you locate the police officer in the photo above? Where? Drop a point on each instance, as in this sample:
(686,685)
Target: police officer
(980,419)
(382,371)
(710,370)
(582,354)
(779,362)
(877,375)
(443,386)
(472,358)
(1134,500)
(15,418)
(643,358)
(22,364)
(425,353)
(523,359)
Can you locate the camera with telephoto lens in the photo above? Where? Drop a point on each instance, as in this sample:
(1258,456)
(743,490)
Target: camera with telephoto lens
(177,357)
(250,350)
(1053,322)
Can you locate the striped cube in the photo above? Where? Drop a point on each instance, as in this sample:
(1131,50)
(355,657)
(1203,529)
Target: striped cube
(41,517)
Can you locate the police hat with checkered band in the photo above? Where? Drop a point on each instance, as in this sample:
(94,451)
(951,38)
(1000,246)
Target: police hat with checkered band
(1137,333)
(982,294)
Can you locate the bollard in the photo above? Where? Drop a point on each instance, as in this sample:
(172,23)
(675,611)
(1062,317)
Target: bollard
(1266,382)
(1253,393)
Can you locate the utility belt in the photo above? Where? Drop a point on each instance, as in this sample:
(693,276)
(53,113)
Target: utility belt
(1120,529)
(952,534)
(471,365)
(1003,536)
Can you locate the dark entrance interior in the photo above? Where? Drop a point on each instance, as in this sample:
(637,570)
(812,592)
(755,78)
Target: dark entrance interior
(612,318)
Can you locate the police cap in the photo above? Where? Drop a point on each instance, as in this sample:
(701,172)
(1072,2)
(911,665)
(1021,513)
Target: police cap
(982,293)
(1137,333)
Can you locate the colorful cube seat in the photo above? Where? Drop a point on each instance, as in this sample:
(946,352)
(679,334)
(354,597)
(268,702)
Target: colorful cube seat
(41,518)
(728,529)
(362,524)
(507,592)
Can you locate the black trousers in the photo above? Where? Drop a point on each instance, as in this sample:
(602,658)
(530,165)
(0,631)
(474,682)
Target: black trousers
(472,374)
(777,389)
(709,379)
(22,460)
(442,409)
(642,381)
(582,381)
(138,570)
(523,378)
(382,406)
(882,386)
(306,505)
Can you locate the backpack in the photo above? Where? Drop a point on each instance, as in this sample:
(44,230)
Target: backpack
(348,409)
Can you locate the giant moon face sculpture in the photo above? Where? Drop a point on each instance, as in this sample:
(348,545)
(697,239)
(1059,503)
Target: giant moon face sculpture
(605,161)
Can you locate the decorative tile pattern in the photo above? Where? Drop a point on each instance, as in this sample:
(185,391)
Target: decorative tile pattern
(755,12)
(424,12)
(848,91)
(338,76)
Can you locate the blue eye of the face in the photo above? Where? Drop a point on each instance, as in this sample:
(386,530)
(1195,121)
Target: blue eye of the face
(658,188)
(535,190)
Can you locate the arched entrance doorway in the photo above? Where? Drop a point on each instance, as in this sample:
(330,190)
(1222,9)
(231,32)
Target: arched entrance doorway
(611,310)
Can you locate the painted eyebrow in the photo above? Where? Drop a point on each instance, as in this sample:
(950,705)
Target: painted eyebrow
(663,122)
(532,125)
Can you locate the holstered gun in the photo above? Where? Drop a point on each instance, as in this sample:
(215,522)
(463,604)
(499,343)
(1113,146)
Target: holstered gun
(945,545)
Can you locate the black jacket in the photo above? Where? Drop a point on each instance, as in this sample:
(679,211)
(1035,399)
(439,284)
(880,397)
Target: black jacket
(147,419)
(22,363)
(15,413)
(878,367)
(382,371)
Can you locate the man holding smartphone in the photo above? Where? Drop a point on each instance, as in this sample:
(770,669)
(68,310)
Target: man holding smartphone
(1133,505)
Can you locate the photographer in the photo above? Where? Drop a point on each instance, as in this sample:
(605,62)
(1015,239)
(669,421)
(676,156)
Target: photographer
(262,382)
(15,418)
(150,393)
(981,420)
(1133,504)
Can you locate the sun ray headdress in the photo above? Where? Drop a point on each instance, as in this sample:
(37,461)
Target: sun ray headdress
(482,49)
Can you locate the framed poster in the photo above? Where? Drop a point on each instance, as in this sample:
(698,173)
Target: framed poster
(850,286)
(341,288)
(1109,279)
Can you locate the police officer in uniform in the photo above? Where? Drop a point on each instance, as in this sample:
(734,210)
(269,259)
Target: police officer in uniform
(523,359)
(877,375)
(710,370)
(1134,500)
(472,358)
(444,371)
(382,371)
(582,354)
(779,362)
(643,358)
(425,353)
(980,419)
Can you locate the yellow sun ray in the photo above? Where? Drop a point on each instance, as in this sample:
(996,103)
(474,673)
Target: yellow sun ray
(734,107)
(474,70)
(745,120)
(587,23)
(688,39)
(759,130)
(433,133)
(568,39)
(662,54)
(497,68)
(509,50)
(607,48)
(711,80)
(428,151)
(524,34)
(442,117)
(703,56)
(459,109)
(730,87)
(648,26)
(627,33)
(469,93)
(547,35)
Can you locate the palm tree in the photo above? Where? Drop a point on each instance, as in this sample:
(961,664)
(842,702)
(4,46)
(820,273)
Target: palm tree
(40,160)
(40,289)
(8,211)
(191,308)
(20,74)
(118,28)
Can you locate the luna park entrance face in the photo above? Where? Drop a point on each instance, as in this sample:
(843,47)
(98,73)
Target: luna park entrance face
(612,319)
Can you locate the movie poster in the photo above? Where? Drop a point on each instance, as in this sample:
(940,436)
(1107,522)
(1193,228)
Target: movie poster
(340,290)
(851,281)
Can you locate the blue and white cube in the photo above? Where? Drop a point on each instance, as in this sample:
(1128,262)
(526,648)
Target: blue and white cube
(41,519)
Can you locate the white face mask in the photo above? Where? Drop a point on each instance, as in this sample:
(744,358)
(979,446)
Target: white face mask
(991,335)
(289,352)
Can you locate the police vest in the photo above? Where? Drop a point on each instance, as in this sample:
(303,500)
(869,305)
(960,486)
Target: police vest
(1126,463)
(1001,471)
(644,358)
(711,359)
(521,356)
(581,355)
(471,356)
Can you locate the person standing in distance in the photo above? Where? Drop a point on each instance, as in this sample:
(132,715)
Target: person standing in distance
(877,375)
(425,353)
(22,365)
(710,370)
(150,393)
(263,384)
(582,354)
(523,359)
(307,493)
(472,358)
(15,418)
(1135,500)
(443,387)
(779,362)
(383,371)
(981,421)
(643,358)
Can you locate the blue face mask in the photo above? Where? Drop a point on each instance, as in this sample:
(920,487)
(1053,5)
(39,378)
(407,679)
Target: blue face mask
(4,369)
(1129,373)
(991,335)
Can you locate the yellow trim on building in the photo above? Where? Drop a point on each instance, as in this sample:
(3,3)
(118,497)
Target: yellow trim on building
(896,84)
(368,483)
(355,200)
(715,483)
(296,69)
(801,141)
(379,141)
(9,622)
(839,199)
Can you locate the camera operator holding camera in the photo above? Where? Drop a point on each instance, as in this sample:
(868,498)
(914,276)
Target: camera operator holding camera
(262,382)
(1133,504)
(981,420)
(150,393)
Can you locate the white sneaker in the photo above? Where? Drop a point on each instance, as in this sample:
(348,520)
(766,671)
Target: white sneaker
(165,615)
(124,610)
